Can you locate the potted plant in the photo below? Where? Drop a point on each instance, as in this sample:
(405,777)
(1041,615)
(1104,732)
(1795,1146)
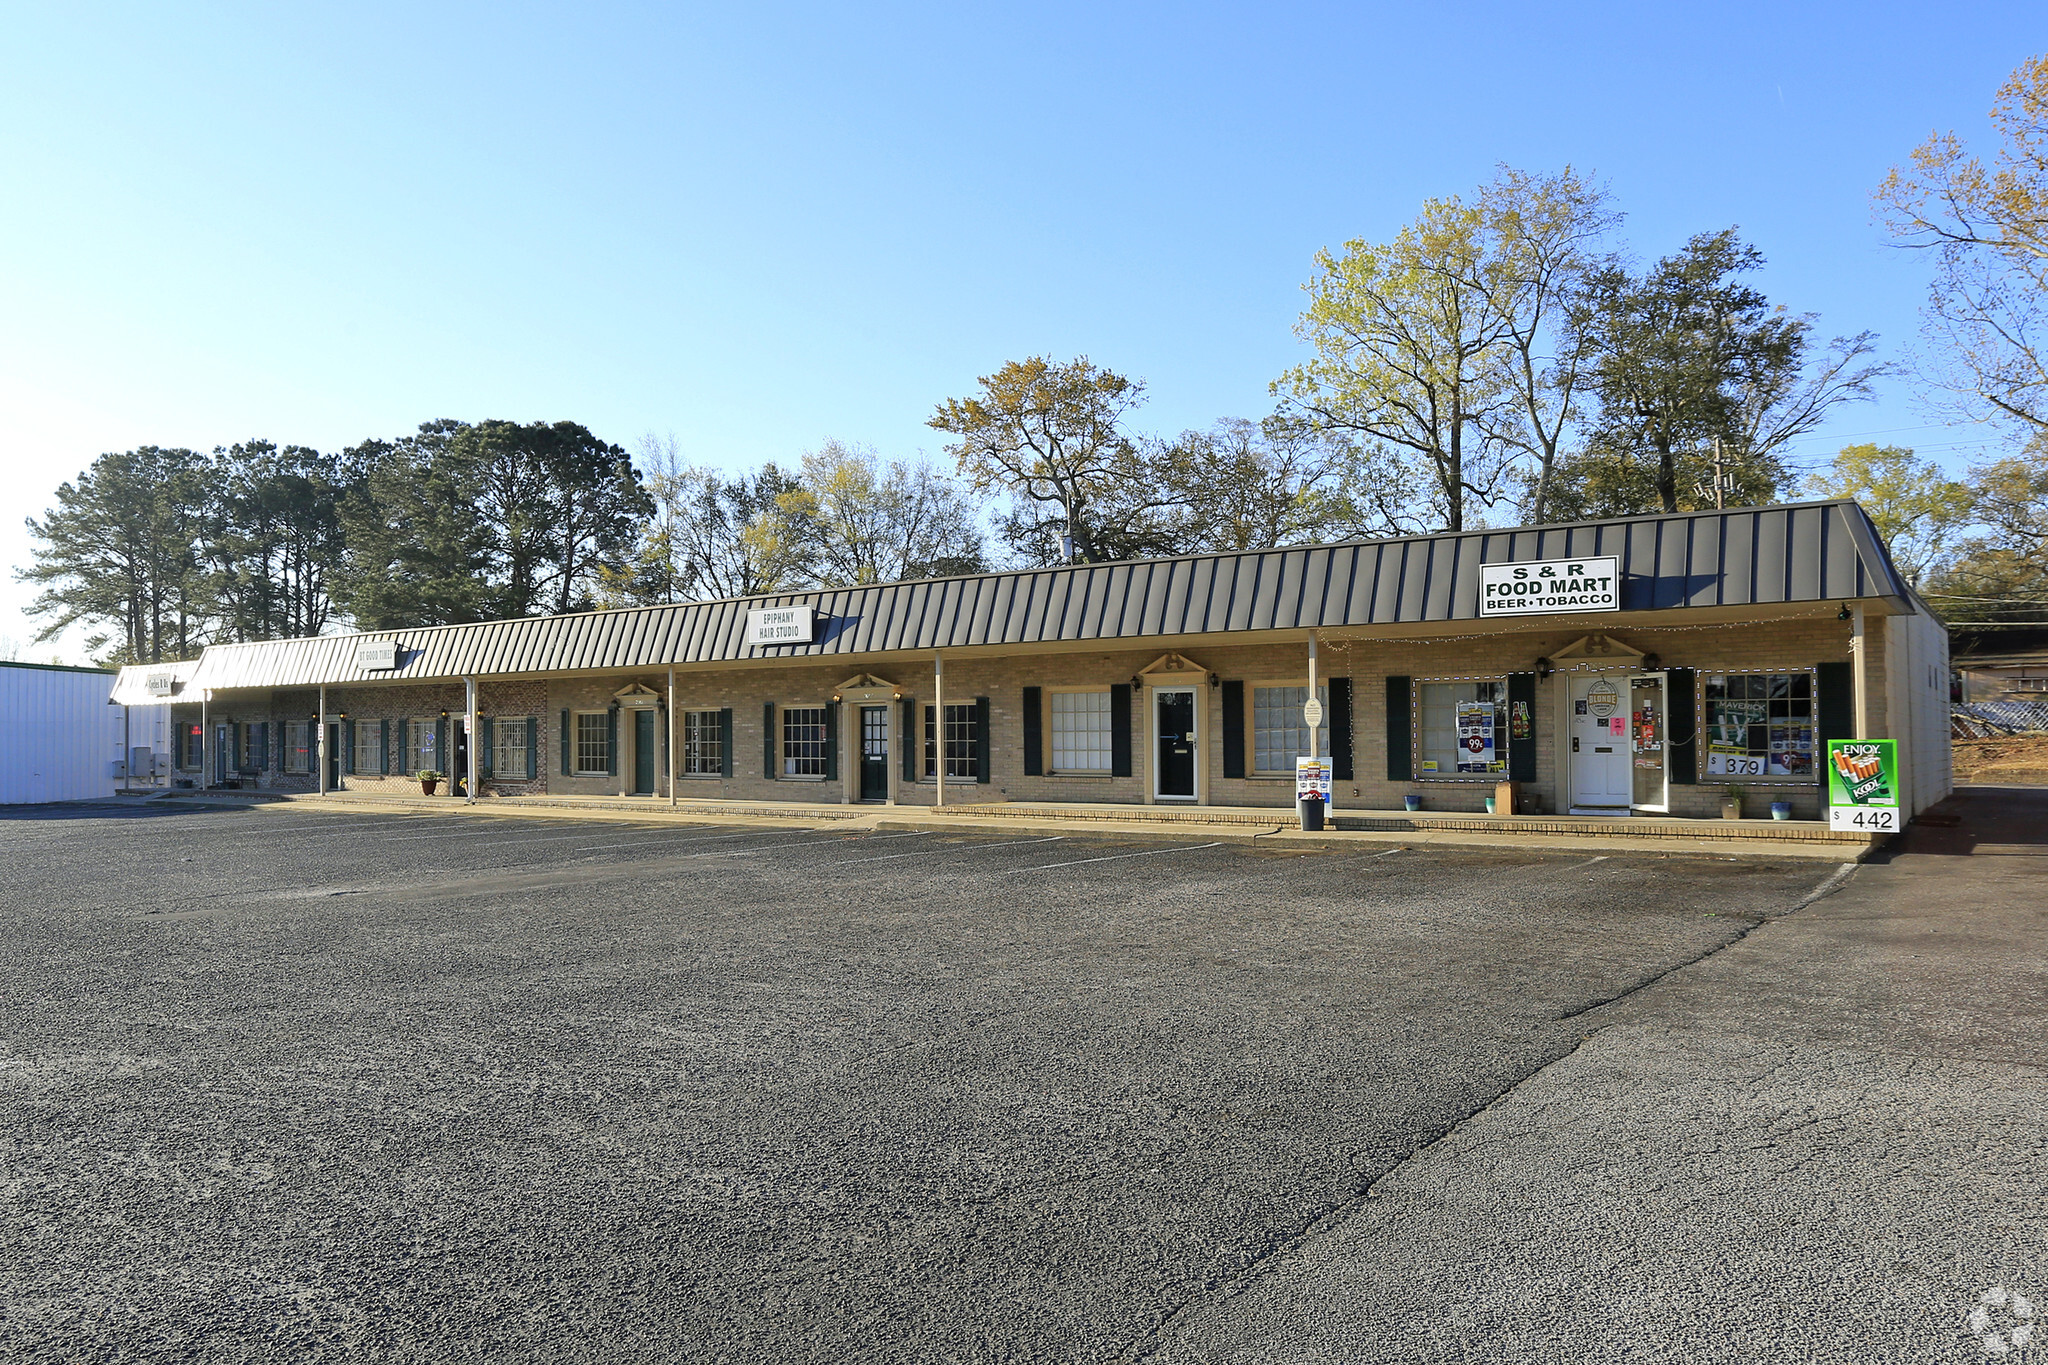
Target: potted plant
(429,779)
(1731,801)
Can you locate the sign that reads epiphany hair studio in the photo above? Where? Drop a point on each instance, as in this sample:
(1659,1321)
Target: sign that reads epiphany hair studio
(781,625)
(1550,585)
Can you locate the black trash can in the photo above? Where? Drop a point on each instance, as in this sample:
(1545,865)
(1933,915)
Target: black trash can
(1312,815)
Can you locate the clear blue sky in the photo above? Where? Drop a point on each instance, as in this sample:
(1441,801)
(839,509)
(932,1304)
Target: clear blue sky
(759,227)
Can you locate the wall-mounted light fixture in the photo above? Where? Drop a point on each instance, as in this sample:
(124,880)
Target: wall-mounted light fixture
(1844,614)
(1650,662)
(1544,668)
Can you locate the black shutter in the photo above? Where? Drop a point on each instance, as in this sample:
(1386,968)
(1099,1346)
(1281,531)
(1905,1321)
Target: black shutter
(532,747)
(444,757)
(1834,714)
(1400,739)
(1341,769)
(611,742)
(1120,730)
(486,754)
(831,741)
(725,742)
(1522,752)
(262,746)
(982,748)
(1034,732)
(768,739)
(383,748)
(565,744)
(1681,728)
(911,740)
(1233,729)
(348,747)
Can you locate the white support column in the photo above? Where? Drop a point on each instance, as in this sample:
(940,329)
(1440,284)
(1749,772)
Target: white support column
(939,724)
(1314,750)
(1860,666)
(671,737)
(205,743)
(474,762)
(320,739)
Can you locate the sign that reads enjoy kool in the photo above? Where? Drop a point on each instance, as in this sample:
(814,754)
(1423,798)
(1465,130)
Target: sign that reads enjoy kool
(781,626)
(1863,786)
(1550,585)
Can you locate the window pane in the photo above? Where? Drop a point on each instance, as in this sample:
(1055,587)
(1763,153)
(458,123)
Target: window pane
(1080,732)
(1441,752)
(1762,727)
(701,752)
(508,754)
(369,734)
(593,752)
(803,741)
(960,725)
(1279,735)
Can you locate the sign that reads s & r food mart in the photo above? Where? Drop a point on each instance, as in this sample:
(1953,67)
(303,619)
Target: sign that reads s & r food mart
(781,626)
(1548,585)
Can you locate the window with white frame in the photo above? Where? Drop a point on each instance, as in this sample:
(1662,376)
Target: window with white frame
(298,752)
(703,751)
(1080,732)
(421,747)
(369,747)
(1461,728)
(962,723)
(1279,733)
(1759,724)
(803,741)
(508,749)
(593,743)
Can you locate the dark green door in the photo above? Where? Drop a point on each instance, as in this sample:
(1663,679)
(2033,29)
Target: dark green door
(644,752)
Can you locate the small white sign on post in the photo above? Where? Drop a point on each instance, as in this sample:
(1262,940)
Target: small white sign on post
(781,625)
(1544,586)
(1312,713)
(1312,779)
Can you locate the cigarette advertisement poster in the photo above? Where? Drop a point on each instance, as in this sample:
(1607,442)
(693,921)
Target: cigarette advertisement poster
(1863,786)
(1475,736)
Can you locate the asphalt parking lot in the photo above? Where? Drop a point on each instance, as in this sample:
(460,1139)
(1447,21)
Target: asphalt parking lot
(283,1085)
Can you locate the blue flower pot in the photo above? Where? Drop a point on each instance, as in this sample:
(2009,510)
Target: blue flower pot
(1781,810)
(1411,802)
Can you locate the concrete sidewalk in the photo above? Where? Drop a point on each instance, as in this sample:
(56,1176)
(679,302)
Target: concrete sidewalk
(1823,1143)
(1230,825)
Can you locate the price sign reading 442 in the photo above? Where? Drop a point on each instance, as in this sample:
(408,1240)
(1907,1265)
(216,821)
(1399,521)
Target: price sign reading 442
(1863,786)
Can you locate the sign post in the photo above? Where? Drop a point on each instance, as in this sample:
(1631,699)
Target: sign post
(1863,786)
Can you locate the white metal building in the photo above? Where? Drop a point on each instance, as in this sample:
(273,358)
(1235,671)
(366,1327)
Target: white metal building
(60,740)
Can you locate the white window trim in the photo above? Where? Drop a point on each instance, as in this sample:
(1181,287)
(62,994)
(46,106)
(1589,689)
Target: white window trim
(782,741)
(683,736)
(576,743)
(1046,738)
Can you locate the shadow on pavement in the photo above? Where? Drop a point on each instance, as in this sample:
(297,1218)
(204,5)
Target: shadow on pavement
(1973,819)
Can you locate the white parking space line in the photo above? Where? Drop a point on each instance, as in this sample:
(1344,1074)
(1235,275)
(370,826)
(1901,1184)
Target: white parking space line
(1109,858)
(663,841)
(952,848)
(472,831)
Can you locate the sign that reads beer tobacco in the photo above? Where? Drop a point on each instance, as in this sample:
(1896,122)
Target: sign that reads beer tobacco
(780,626)
(1549,585)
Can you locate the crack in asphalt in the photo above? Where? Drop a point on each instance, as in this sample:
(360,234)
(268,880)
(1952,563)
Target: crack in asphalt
(1151,1343)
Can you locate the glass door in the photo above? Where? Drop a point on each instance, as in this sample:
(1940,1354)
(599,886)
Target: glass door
(1649,742)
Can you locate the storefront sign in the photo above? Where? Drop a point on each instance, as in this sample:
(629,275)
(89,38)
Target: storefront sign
(161,684)
(1312,779)
(378,655)
(781,625)
(1863,786)
(1546,586)
(1475,736)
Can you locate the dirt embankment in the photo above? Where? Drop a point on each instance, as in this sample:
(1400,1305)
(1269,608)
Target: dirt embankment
(2014,761)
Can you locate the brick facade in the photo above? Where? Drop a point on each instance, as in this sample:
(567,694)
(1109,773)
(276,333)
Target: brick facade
(1799,643)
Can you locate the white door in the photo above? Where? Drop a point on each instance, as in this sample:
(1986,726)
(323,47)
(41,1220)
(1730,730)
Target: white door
(1600,745)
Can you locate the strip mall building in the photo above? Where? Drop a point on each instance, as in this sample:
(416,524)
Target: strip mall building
(1635,665)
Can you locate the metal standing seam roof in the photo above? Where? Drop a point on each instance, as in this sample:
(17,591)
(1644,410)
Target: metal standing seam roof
(1809,552)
